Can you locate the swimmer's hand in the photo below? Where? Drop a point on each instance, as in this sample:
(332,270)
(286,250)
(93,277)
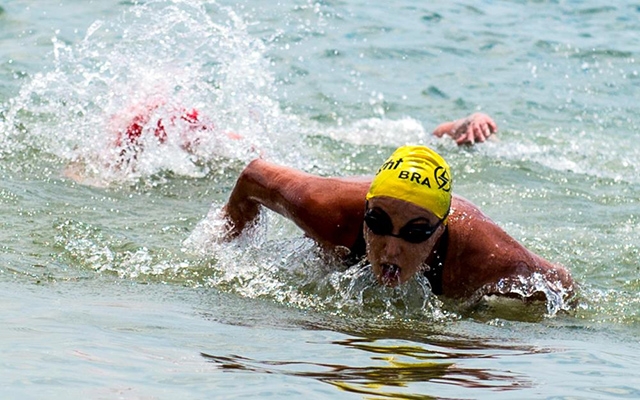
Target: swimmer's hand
(236,220)
(216,228)
(229,229)
(477,127)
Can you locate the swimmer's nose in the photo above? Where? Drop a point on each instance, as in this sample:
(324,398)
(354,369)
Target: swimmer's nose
(392,248)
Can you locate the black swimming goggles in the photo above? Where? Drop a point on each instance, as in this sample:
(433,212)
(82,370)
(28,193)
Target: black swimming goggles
(379,223)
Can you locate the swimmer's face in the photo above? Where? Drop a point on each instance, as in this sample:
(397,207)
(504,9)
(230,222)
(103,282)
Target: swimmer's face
(399,236)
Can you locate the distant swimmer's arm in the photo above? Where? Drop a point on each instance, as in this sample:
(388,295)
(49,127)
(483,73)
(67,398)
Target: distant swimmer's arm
(477,127)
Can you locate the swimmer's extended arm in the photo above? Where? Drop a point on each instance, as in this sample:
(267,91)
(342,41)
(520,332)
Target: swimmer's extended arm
(476,127)
(329,210)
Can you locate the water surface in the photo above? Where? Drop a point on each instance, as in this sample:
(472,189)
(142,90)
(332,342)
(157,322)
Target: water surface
(113,287)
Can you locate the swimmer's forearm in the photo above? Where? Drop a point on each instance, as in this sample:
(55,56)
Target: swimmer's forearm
(559,274)
(263,184)
(445,128)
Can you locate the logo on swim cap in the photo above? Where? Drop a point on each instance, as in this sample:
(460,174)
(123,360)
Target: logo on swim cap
(441,176)
(418,175)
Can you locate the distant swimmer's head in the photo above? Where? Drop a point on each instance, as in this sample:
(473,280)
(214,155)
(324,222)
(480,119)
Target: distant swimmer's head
(418,175)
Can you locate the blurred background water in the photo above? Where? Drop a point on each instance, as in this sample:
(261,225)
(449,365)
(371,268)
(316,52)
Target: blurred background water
(112,288)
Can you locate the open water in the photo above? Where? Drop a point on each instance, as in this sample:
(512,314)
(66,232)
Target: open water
(112,287)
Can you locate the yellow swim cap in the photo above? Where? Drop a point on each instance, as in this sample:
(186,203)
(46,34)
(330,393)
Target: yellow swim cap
(418,175)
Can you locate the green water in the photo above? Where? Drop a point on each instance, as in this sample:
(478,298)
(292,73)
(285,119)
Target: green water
(115,290)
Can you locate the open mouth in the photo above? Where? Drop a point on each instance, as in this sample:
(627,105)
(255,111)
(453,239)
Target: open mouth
(390,274)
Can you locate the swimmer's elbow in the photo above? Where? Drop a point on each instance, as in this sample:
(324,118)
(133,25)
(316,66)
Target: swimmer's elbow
(561,275)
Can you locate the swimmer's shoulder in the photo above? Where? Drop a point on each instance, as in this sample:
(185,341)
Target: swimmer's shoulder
(464,210)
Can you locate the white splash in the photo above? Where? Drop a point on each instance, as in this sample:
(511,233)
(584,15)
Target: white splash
(382,132)
(153,65)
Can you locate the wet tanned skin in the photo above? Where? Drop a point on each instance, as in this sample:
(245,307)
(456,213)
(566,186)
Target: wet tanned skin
(331,211)
(393,259)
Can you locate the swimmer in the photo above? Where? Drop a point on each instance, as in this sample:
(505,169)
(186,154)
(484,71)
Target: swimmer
(405,221)
(156,121)
(477,127)
(148,124)
(188,125)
